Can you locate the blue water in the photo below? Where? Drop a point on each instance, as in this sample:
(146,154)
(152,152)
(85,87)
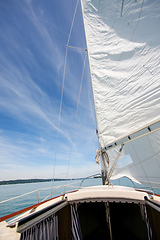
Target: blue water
(11,191)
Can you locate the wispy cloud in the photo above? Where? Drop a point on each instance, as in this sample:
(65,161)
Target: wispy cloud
(32,44)
(24,155)
(25,99)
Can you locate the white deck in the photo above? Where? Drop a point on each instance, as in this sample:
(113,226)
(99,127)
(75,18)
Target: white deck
(88,194)
(106,193)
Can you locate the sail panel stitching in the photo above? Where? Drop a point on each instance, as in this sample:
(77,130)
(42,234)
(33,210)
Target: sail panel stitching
(142,167)
(125,138)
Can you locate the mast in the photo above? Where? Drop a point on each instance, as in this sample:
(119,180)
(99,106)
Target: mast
(103,165)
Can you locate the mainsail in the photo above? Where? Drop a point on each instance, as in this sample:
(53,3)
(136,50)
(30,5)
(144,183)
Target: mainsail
(123,40)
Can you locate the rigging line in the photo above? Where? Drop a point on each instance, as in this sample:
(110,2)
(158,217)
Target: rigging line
(77,48)
(59,118)
(60,110)
(72,22)
(75,119)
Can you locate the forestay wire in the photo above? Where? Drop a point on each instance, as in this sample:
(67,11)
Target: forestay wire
(60,109)
(75,120)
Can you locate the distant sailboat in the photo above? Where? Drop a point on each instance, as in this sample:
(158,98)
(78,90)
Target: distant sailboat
(123,44)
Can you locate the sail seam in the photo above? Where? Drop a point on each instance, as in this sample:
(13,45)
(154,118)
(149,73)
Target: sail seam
(115,143)
(153,151)
(132,34)
(133,165)
(140,162)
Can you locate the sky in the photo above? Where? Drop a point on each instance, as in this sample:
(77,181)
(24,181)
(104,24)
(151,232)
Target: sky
(34,141)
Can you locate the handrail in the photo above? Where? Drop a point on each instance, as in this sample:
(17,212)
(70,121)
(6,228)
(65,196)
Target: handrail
(36,205)
(68,185)
(7,200)
(141,188)
(98,174)
(71,185)
(128,179)
(38,190)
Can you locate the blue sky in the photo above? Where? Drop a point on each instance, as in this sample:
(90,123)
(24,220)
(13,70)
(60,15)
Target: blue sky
(33,38)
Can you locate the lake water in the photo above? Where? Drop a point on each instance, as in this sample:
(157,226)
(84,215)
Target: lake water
(11,191)
(14,190)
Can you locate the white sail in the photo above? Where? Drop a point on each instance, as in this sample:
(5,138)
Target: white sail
(123,39)
(140,160)
(124,54)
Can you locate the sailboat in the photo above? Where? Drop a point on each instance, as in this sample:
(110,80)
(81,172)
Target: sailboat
(123,46)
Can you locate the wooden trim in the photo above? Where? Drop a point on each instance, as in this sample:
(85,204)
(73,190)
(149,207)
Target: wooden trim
(28,208)
(24,210)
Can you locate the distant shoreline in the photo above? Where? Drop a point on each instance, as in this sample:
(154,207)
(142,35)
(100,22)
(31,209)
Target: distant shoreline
(21,181)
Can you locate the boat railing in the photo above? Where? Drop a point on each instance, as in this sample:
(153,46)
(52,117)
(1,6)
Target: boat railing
(98,175)
(73,186)
(142,187)
(54,189)
(38,191)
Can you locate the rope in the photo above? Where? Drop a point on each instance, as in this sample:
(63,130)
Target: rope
(97,156)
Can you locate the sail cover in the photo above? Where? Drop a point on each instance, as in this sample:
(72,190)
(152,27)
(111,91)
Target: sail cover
(123,39)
